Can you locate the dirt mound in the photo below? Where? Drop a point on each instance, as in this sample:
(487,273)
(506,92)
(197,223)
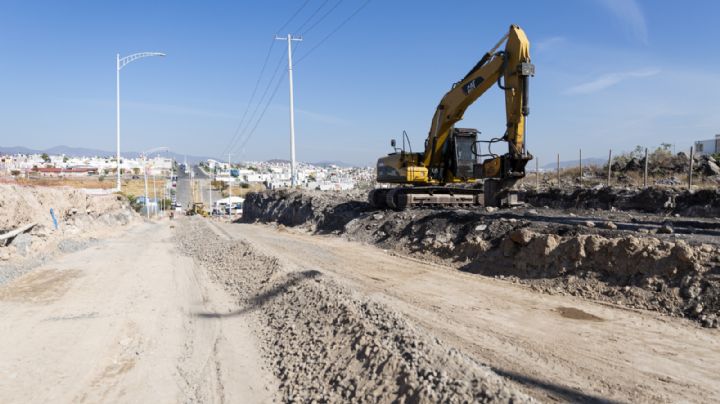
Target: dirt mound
(555,254)
(21,205)
(79,217)
(329,344)
(325,211)
(701,203)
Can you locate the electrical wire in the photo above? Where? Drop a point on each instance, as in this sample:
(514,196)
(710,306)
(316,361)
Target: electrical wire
(262,114)
(317,10)
(234,138)
(292,17)
(235,135)
(354,13)
(315,24)
(249,134)
(248,124)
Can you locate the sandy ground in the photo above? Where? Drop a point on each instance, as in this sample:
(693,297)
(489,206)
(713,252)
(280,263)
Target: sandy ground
(118,323)
(122,321)
(556,347)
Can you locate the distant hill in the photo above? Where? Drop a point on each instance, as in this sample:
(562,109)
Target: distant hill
(85,152)
(278,161)
(591,161)
(318,164)
(332,163)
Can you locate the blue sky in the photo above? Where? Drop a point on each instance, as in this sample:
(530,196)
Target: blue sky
(609,74)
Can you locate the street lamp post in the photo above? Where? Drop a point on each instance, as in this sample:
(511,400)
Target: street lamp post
(147,200)
(119,64)
(155,195)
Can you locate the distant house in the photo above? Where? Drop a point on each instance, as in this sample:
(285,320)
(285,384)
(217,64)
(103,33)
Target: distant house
(711,146)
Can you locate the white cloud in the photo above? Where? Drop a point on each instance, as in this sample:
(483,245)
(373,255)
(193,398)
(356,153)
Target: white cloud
(629,12)
(609,80)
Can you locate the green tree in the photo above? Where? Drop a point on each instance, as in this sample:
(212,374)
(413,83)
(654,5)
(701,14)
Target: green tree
(45,157)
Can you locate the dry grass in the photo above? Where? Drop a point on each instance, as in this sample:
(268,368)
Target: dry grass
(130,186)
(137,187)
(238,191)
(89,182)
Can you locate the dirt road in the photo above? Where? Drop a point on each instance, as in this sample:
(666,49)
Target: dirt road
(118,323)
(556,347)
(126,320)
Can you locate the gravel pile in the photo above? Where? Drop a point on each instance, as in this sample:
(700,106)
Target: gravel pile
(329,344)
(637,263)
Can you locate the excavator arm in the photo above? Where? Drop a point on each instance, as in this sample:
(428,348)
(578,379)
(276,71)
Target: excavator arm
(509,69)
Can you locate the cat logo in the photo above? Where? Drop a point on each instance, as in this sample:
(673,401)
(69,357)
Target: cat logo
(472,85)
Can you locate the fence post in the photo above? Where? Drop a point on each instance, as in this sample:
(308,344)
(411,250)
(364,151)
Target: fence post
(537,174)
(581,172)
(691,168)
(609,167)
(646,169)
(558,169)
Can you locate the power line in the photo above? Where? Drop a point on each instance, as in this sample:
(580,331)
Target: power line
(317,10)
(293,16)
(333,32)
(265,92)
(234,137)
(262,114)
(323,17)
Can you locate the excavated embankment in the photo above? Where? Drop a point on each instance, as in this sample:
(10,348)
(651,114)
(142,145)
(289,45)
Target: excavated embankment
(79,219)
(636,265)
(700,203)
(327,343)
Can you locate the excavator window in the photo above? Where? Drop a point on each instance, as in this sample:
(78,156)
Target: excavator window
(464,158)
(463,147)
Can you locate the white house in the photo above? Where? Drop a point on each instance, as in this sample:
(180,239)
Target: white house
(710,146)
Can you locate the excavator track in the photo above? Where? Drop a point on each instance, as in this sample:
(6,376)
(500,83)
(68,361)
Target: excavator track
(409,197)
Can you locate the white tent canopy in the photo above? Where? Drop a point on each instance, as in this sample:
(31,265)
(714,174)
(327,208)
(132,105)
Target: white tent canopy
(230,200)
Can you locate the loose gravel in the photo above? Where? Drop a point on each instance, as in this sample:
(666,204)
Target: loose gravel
(327,343)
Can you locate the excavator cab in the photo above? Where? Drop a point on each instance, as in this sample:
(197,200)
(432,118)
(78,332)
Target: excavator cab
(462,158)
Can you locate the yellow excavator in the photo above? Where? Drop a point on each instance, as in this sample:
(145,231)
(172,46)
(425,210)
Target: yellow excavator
(448,171)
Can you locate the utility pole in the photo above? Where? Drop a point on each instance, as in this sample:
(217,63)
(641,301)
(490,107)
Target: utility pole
(293,174)
(231,180)
(117,122)
(581,171)
(155,195)
(147,199)
(609,167)
(645,172)
(690,173)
